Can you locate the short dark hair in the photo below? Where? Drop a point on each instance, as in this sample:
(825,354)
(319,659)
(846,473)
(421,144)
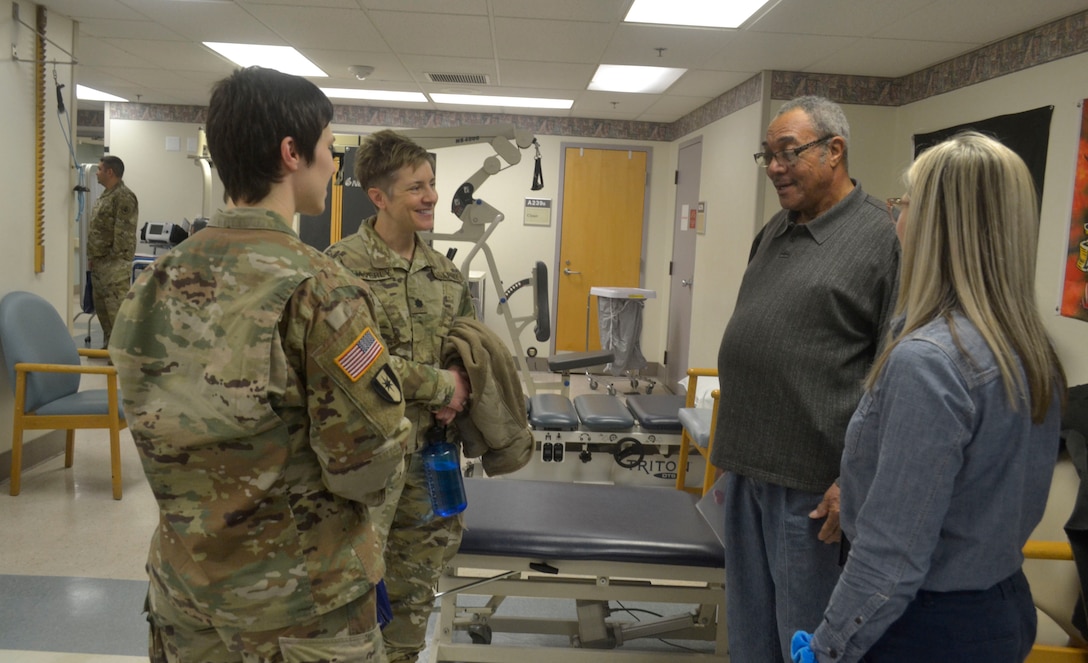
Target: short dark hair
(382,154)
(113,163)
(250,113)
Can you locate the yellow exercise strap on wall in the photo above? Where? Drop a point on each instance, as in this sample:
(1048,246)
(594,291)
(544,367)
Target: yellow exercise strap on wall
(39,144)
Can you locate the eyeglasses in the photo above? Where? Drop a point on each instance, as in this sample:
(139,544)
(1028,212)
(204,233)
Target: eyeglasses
(786,157)
(895,207)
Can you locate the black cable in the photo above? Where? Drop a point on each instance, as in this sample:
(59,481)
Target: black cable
(673,644)
(632,612)
(538,174)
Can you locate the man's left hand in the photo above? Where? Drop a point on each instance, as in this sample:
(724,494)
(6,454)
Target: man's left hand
(829,508)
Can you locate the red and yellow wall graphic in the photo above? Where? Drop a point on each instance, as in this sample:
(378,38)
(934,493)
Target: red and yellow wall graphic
(1075,287)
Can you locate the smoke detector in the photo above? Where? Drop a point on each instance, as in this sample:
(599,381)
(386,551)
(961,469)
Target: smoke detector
(361,71)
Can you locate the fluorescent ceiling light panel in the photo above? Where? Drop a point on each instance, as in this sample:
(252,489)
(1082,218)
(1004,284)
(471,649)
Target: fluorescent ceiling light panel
(510,102)
(85,93)
(373,95)
(698,13)
(627,78)
(280,58)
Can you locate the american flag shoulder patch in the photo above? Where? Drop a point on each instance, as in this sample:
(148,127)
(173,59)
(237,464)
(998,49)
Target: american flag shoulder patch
(360,355)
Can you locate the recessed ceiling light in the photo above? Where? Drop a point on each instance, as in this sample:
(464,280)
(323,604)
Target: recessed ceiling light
(373,95)
(697,13)
(627,78)
(510,102)
(85,93)
(280,58)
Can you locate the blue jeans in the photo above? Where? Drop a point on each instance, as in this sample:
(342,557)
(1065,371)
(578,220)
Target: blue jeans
(995,625)
(778,575)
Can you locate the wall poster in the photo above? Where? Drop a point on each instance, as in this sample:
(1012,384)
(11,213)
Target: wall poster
(1075,287)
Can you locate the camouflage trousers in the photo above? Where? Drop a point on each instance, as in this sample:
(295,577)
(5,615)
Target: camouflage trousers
(348,634)
(419,547)
(109,284)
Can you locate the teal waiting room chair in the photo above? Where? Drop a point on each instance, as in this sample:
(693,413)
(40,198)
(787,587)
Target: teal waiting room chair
(45,369)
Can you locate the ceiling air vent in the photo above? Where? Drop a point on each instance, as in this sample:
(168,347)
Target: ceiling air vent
(465,79)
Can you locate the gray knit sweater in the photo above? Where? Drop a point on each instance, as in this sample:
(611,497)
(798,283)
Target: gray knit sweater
(812,309)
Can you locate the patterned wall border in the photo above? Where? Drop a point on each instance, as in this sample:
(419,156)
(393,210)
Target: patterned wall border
(747,93)
(548,126)
(1060,39)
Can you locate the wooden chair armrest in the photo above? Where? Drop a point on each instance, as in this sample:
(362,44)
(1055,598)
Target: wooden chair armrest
(1060,550)
(693,374)
(93,353)
(24,367)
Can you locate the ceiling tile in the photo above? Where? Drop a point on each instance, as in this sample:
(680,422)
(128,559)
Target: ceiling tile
(702,83)
(892,58)
(787,52)
(548,75)
(123,28)
(435,34)
(687,48)
(387,67)
(317,27)
(470,7)
(551,41)
(852,18)
(78,9)
(571,10)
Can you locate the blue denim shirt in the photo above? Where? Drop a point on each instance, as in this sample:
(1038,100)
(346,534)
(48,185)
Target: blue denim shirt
(942,483)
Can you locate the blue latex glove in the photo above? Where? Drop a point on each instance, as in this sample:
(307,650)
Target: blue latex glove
(385,608)
(800,649)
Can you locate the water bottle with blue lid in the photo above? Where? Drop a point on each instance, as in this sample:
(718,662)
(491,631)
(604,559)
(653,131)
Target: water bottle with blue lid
(442,466)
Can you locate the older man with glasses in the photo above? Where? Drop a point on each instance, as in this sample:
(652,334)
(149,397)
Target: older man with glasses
(812,309)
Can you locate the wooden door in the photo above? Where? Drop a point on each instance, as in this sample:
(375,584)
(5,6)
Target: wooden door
(604,197)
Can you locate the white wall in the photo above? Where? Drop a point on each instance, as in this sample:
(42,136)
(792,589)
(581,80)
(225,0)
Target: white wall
(17,187)
(1064,85)
(168,184)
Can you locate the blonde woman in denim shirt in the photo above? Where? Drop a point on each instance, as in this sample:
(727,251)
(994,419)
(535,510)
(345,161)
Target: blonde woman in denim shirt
(950,453)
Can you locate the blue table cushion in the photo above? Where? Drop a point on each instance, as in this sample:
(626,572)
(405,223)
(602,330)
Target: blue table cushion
(603,413)
(553,520)
(660,414)
(552,412)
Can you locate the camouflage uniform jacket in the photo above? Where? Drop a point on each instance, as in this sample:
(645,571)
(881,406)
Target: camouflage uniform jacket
(111,235)
(267,419)
(416,304)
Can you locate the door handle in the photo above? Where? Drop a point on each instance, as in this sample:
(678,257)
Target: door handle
(684,283)
(568,270)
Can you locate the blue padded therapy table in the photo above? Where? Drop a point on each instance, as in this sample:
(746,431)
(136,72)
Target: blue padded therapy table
(598,546)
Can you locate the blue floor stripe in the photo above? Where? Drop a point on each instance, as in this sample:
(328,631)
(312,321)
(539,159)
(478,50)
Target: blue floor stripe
(79,615)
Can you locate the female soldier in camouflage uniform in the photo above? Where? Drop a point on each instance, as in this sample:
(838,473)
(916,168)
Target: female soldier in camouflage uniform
(263,406)
(419,294)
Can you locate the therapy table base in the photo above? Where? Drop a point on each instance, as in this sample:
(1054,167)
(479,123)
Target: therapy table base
(595,545)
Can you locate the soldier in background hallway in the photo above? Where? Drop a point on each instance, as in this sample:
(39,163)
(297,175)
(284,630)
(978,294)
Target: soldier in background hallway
(111,242)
